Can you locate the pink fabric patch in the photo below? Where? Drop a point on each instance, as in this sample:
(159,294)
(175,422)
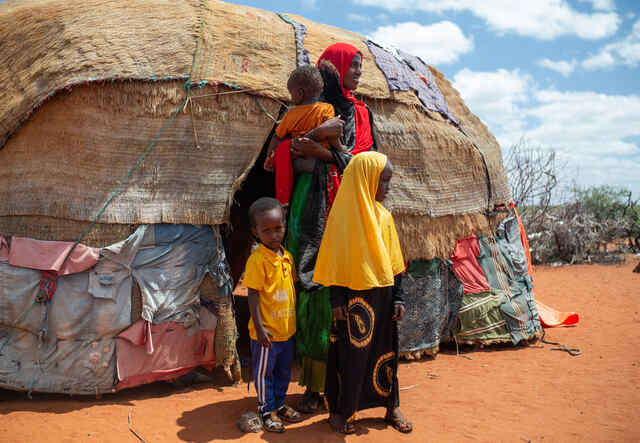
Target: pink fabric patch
(50,255)
(148,352)
(4,250)
(466,266)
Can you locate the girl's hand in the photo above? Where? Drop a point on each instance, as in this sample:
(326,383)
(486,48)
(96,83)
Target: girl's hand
(398,312)
(340,313)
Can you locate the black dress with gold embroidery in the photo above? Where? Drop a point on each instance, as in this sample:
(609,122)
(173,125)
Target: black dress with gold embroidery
(362,366)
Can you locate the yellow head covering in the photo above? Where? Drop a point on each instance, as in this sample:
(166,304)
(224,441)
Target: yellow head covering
(360,247)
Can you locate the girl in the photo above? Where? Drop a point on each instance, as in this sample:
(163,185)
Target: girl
(361,261)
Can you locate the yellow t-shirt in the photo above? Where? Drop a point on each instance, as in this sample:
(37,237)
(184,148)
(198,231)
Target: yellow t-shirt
(303,118)
(272,275)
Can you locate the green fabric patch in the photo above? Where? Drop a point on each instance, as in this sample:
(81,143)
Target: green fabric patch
(481,319)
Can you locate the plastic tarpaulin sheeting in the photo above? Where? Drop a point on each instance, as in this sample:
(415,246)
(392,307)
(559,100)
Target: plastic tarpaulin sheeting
(52,255)
(63,366)
(148,352)
(68,344)
(550,318)
(168,263)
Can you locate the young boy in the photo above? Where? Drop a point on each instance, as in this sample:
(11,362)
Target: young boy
(305,85)
(269,276)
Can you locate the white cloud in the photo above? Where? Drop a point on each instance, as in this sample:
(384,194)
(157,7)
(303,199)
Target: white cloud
(541,19)
(601,60)
(601,5)
(496,97)
(358,18)
(625,52)
(438,43)
(563,67)
(593,132)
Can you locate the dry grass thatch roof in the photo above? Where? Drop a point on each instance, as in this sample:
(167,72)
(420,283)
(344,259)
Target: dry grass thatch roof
(87,86)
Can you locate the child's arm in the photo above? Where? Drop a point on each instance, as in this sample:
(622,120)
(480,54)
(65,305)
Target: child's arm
(254,309)
(335,144)
(268,161)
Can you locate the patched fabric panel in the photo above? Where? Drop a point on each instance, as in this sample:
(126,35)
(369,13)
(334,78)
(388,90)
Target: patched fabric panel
(518,306)
(433,296)
(402,78)
(168,262)
(481,320)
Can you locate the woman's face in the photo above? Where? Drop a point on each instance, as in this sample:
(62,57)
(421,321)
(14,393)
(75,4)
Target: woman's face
(384,183)
(352,76)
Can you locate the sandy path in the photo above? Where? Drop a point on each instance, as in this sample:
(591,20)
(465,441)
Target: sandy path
(500,394)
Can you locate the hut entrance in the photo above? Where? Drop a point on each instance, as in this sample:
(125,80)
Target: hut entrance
(238,239)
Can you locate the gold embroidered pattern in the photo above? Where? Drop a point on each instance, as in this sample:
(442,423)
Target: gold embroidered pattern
(382,376)
(360,322)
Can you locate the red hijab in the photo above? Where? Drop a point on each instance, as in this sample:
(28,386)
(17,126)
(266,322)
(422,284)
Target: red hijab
(341,55)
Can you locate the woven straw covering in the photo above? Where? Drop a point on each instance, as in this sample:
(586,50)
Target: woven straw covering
(69,133)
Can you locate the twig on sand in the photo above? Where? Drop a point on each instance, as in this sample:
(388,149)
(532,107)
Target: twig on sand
(133,430)
(458,351)
(406,388)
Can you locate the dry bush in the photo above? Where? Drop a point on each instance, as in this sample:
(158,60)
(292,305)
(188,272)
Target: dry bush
(573,231)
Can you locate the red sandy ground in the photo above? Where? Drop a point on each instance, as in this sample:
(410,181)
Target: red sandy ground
(511,394)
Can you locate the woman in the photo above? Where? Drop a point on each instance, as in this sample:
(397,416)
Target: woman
(361,261)
(314,191)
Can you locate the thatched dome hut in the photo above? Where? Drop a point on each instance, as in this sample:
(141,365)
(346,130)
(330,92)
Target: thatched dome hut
(131,114)
(86,89)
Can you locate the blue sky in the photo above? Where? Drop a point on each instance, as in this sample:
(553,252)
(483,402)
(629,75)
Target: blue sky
(562,74)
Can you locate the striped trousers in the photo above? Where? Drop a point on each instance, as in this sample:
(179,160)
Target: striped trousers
(272,372)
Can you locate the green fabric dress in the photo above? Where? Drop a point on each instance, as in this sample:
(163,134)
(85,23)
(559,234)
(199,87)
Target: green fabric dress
(313,308)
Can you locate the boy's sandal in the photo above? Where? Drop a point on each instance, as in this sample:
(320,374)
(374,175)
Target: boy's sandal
(399,423)
(290,415)
(271,422)
(341,425)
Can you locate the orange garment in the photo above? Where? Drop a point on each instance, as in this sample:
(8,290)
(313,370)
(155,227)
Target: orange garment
(50,255)
(297,121)
(466,266)
(303,118)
